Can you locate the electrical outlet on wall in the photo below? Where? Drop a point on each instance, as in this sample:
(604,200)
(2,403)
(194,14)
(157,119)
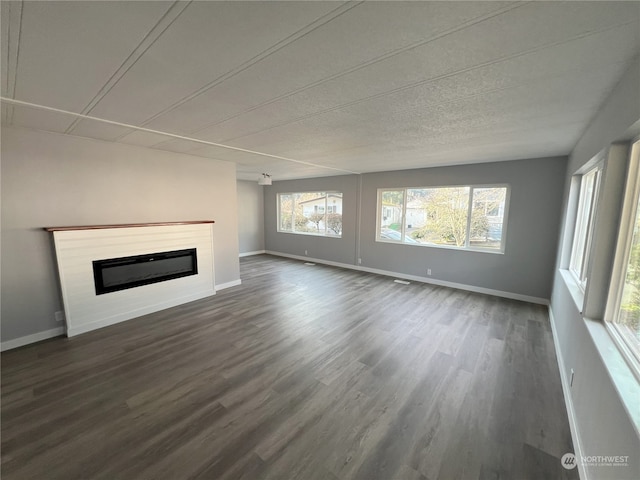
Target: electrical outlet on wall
(306,252)
(429,271)
(359,261)
(59,316)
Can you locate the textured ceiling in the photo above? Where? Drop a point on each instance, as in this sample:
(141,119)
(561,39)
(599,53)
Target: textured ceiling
(301,89)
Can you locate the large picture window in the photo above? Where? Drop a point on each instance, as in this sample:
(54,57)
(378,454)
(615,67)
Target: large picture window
(310,213)
(583,232)
(466,217)
(623,306)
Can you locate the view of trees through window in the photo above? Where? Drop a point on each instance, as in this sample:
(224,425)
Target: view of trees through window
(313,213)
(623,305)
(463,217)
(629,315)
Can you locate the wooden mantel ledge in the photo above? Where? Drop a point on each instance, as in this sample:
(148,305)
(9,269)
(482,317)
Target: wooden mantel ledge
(126,225)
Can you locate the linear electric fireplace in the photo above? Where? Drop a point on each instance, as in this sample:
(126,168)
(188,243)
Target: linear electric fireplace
(94,260)
(115,274)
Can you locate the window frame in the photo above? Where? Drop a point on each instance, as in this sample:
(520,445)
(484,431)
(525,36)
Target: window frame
(326,200)
(467,247)
(585,230)
(621,260)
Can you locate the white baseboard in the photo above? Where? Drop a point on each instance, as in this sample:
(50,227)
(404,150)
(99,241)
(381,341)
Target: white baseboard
(566,390)
(56,332)
(248,254)
(36,337)
(415,278)
(234,283)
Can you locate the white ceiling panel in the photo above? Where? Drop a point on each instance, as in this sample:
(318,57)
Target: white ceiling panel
(206,42)
(360,156)
(21,116)
(609,49)
(69,50)
(332,85)
(10,20)
(179,146)
(99,130)
(495,147)
(293,67)
(244,158)
(280,170)
(5,12)
(264,164)
(363,34)
(408,117)
(143,139)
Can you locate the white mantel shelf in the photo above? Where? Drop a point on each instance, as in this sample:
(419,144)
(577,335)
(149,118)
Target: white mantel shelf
(125,225)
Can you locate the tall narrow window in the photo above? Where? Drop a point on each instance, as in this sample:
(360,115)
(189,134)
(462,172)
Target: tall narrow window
(623,306)
(584,225)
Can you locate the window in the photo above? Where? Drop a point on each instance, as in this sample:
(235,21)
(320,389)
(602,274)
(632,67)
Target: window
(583,232)
(310,213)
(623,306)
(468,217)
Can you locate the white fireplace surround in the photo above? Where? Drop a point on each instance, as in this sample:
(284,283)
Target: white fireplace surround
(77,247)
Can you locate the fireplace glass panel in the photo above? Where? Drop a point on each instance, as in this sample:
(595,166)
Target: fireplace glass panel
(115,274)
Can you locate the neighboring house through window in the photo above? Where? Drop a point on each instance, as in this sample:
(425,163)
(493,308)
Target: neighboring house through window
(465,217)
(310,213)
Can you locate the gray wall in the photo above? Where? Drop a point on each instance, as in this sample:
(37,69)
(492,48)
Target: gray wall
(602,420)
(55,180)
(250,217)
(526,268)
(342,250)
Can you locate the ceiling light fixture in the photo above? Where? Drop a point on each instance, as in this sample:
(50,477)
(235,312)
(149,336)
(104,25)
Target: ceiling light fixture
(265,179)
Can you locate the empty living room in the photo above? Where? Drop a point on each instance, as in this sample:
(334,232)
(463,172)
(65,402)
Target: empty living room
(320,240)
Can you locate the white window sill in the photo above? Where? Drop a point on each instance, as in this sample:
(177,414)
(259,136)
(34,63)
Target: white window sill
(574,289)
(494,251)
(621,374)
(310,234)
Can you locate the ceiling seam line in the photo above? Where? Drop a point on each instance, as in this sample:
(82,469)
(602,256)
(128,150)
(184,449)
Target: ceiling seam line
(119,73)
(427,81)
(254,60)
(9,73)
(502,89)
(8,49)
(473,137)
(14,73)
(427,137)
(370,62)
(167,134)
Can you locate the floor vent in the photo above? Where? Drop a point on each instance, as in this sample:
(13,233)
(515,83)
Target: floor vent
(403,282)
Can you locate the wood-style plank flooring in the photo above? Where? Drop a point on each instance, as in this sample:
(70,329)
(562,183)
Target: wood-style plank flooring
(302,372)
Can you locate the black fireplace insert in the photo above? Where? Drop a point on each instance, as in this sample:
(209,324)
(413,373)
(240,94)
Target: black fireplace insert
(115,274)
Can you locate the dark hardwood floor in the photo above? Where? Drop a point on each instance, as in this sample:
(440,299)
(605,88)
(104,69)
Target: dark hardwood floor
(302,372)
